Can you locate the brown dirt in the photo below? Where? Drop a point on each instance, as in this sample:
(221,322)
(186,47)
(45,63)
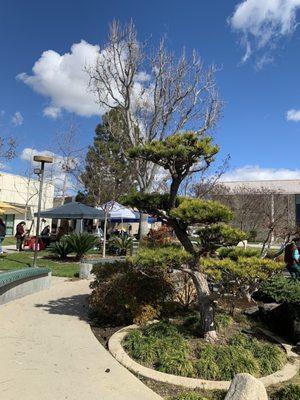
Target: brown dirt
(168,392)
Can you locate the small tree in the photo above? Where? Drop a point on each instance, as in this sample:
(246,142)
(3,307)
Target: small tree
(183,154)
(107,173)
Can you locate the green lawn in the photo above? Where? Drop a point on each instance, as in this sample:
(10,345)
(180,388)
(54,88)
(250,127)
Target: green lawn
(8,240)
(24,259)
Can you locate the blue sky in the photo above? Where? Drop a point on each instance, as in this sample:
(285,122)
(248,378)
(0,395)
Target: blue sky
(255,45)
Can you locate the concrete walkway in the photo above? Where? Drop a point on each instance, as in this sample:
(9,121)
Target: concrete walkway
(48,352)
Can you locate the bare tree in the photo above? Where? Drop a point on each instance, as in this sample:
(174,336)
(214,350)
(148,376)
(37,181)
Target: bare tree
(156,94)
(260,209)
(68,161)
(7,148)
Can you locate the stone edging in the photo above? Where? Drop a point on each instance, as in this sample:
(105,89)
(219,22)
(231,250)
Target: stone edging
(116,349)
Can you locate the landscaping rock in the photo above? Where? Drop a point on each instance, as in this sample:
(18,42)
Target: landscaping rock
(251,311)
(246,387)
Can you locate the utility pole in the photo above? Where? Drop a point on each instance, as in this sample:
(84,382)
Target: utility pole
(40,172)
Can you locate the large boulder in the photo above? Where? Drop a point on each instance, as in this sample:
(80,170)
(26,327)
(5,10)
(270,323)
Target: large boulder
(246,387)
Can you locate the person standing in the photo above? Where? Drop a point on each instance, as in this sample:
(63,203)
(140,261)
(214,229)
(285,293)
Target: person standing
(20,235)
(292,259)
(45,235)
(2,234)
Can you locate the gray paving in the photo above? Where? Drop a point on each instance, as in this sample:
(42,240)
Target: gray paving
(48,351)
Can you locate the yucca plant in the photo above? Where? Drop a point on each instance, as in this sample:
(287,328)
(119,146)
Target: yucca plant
(81,243)
(61,249)
(121,243)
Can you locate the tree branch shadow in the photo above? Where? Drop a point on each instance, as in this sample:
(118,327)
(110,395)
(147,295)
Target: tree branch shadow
(76,306)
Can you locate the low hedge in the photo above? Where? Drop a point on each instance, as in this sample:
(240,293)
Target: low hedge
(281,290)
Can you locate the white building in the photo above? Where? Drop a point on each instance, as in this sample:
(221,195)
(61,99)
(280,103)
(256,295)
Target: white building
(283,186)
(22,192)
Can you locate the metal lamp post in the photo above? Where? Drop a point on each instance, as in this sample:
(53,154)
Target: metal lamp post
(39,171)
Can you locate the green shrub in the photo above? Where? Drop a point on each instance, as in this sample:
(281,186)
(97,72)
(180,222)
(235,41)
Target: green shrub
(121,243)
(163,347)
(81,243)
(190,396)
(281,290)
(290,392)
(223,321)
(224,361)
(191,323)
(123,291)
(252,235)
(162,330)
(61,249)
(141,347)
(270,357)
(175,360)
(236,252)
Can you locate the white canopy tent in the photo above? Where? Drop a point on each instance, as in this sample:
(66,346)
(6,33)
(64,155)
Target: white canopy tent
(118,212)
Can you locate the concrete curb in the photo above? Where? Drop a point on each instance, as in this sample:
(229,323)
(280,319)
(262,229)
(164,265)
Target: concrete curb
(117,350)
(19,283)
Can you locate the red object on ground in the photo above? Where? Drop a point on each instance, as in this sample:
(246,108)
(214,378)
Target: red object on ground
(31,244)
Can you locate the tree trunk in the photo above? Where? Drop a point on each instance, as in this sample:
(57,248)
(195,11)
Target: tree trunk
(143,226)
(206,306)
(104,234)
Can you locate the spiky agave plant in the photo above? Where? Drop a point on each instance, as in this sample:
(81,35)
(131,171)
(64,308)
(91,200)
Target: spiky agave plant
(81,243)
(121,243)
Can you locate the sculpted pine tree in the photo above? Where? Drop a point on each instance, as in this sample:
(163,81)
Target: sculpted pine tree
(183,154)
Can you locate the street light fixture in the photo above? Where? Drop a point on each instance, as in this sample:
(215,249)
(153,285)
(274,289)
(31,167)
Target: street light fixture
(40,172)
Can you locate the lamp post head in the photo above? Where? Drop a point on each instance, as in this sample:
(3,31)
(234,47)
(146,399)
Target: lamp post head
(43,159)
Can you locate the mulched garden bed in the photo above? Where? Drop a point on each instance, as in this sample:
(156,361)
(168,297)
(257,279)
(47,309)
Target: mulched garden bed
(103,333)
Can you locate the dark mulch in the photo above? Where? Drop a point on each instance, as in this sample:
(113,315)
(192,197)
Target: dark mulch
(167,391)
(103,333)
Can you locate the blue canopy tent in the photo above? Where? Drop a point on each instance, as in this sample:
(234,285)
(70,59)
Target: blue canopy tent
(73,210)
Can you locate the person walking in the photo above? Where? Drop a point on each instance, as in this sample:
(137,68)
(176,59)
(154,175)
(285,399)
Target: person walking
(292,260)
(2,234)
(20,235)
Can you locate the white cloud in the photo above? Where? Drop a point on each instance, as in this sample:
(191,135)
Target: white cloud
(52,112)
(17,119)
(256,173)
(262,24)
(64,81)
(28,153)
(293,115)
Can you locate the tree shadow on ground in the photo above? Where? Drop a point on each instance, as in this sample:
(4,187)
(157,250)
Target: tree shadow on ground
(76,306)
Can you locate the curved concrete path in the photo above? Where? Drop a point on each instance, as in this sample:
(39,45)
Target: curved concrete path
(48,352)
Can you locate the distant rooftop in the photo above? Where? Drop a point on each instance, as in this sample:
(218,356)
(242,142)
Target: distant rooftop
(285,186)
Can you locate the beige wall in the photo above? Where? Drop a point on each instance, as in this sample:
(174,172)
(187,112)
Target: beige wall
(21,191)
(288,186)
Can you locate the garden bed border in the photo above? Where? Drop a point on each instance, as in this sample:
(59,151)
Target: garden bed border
(115,347)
